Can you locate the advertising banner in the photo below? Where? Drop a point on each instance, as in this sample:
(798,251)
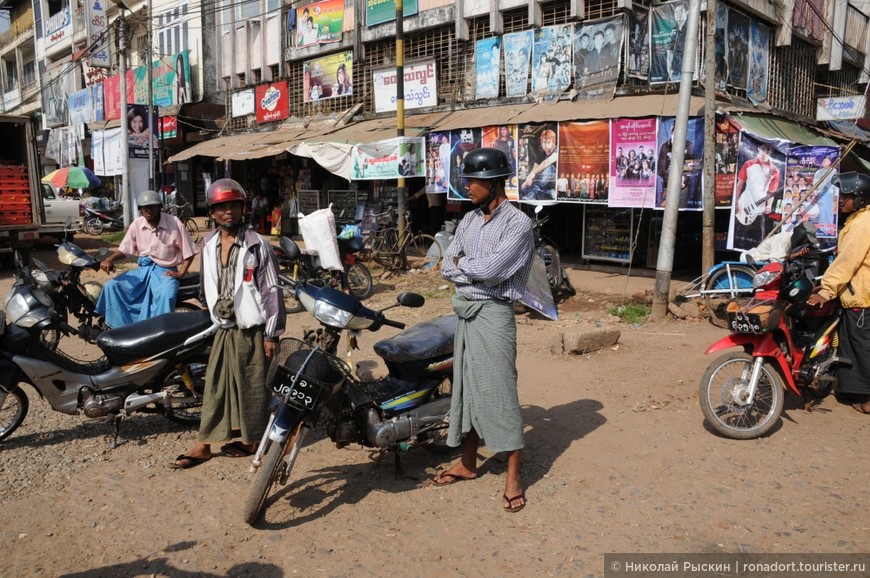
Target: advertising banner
(537,161)
(517,50)
(380,11)
(727,139)
(461,141)
(668,40)
(243,103)
(97,29)
(487,57)
(57,85)
(551,60)
(272,102)
(633,173)
(388,159)
(758,184)
(807,166)
(438,162)
(421,88)
(738,49)
(320,22)
(139,130)
(637,53)
(691,186)
(504,138)
(81,107)
(327,77)
(584,161)
(597,47)
(759,62)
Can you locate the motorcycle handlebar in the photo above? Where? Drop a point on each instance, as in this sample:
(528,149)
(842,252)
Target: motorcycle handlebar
(391,323)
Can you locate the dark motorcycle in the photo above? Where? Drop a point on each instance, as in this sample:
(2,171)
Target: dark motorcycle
(71,298)
(97,221)
(560,282)
(294,266)
(156,365)
(409,406)
(786,345)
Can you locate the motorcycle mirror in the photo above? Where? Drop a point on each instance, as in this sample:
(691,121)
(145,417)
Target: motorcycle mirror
(103,253)
(539,208)
(22,259)
(408,299)
(290,248)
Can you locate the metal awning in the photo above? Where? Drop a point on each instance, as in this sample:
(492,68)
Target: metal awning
(774,127)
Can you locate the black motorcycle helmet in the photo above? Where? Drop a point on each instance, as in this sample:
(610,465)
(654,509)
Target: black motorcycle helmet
(486,163)
(853,183)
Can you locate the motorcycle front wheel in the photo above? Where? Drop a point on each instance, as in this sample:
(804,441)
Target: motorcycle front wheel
(358,280)
(184,406)
(93,226)
(13,410)
(274,469)
(724,391)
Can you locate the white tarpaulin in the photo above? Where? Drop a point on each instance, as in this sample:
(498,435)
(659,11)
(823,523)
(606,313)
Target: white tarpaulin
(334,157)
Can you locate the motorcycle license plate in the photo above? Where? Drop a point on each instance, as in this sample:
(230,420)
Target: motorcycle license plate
(302,395)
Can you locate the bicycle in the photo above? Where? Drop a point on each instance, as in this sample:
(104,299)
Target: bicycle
(180,212)
(719,285)
(413,251)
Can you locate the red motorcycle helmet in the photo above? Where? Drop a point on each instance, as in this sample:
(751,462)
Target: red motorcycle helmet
(224,190)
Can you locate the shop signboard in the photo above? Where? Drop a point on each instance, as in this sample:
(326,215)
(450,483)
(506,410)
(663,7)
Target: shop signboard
(272,102)
(309,201)
(319,22)
(243,103)
(388,159)
(840,108)
(421,87)
(380,11)
(328,77)
(97,26)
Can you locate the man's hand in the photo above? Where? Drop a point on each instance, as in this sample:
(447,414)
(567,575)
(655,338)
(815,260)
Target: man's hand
(270,347)
(175,274)
(107,266)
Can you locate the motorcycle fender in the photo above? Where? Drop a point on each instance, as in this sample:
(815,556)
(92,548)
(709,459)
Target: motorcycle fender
(285,422)
(758,346)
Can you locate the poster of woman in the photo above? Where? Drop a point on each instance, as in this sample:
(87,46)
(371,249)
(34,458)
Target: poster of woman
(583,174)
(328,77)
(504,138)
(319,22)
(517,48)
(487,55)
(632,162)
(759,62)
(551,60)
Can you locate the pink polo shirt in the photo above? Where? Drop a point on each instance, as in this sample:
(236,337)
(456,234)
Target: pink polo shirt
(167,245)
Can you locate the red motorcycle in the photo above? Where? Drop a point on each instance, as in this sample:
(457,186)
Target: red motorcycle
(785,344)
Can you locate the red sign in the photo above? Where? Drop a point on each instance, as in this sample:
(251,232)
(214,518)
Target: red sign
(168,127)
(272,102)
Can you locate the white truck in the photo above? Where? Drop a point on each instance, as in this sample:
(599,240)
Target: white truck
(59,212)
(21,212)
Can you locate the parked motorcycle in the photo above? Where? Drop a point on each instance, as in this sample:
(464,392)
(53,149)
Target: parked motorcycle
(408,406)
(785,344)
(97,221)
(71,298)
(156,365)
(560,283)
(295,266)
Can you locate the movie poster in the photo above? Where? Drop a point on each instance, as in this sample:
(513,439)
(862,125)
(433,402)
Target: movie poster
(668,40)
(551,60)
(809,193)
(461,142)
(537,161)
(517,51)
(637,53)
(727,138)
(759,62)
(438,162)
(487,56)
(504,138)
(738,49)
(633,174)
(583,175)
(757,188)
(691,185)
(597,48)
(720,41)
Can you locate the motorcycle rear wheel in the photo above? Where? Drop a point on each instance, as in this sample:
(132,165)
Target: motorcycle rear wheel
(738,282)
(358,280)
(93,226)
(185,408)
(13,410)
(271,471)
(722,397)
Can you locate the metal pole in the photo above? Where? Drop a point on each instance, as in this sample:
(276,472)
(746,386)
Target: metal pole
(150,76)
(708,217)
(126,198)
(665,263)
(400,106)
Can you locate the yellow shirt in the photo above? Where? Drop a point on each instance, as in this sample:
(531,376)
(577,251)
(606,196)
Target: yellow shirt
(849,275)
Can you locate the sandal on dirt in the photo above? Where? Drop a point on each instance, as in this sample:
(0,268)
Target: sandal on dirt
(862,407)
(446,478)
(236,450)
(189,462)
(510,501)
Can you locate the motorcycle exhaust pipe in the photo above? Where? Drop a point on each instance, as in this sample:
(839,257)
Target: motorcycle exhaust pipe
(135,401)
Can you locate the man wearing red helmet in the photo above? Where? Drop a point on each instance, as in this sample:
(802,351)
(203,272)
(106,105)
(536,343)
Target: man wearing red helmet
(489,261)
(239,279)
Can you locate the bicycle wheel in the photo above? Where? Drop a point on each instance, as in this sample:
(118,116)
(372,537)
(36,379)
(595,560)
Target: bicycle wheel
(358,280)
(192,229)
(727,284)
(288,287)
(272,472)
(422,252)
(385,250)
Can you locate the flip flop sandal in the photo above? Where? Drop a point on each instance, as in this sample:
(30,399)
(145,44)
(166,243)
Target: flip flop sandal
(190,462)
(447,479)
(510,501)
(236,450)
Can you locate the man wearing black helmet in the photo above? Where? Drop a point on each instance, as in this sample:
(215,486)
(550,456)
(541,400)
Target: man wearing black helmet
(848,278)
(240,282)
(489,262)
(165,251)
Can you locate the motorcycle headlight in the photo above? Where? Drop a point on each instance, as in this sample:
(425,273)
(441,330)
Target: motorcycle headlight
(16,307)
(763,278)
(338,318)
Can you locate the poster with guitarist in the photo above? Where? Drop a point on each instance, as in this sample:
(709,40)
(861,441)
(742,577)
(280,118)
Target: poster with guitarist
(758,183)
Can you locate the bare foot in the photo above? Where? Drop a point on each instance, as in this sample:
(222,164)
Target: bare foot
(456,473)
(862,407)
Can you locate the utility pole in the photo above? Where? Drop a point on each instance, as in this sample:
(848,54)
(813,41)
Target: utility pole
(400,106)
(150,78)
(125,149)
(709,214)
(665,264)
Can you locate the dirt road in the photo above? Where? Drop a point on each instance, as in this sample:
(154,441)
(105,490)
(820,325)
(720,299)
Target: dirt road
(618,460)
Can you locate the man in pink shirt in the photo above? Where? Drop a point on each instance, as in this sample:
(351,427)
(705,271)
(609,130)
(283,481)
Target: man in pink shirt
(165,252)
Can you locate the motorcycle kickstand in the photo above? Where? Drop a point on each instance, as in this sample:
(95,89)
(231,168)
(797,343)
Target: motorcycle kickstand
(114,419)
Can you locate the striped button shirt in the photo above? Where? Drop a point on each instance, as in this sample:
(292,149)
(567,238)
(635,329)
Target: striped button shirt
(495,256)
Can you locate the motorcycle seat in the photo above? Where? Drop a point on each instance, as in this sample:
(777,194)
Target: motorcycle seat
(425,340)
(189,280)
(151,336)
